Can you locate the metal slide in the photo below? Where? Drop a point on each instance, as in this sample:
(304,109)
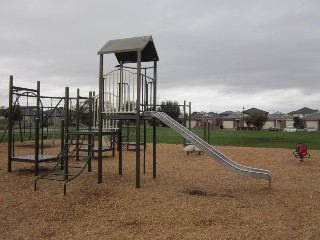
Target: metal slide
(208,149)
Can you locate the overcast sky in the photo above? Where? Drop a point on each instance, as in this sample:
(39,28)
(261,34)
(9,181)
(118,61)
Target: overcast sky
(218,55)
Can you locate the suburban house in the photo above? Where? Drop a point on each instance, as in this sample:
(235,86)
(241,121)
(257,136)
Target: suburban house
(200,120)
(230,120)
(302,113)
(313,120)
(279,120)
(233,121)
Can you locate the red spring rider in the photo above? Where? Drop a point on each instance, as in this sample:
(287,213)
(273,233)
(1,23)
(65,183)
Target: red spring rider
(301,151)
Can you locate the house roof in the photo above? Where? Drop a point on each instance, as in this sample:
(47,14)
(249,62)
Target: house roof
(303,111)
(125,49)
(313,117)
(255,110)
(226,113)
(278,116)
(214,115)
(234,116)
(196,116)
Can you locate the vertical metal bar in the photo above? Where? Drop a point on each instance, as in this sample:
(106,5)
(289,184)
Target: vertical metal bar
(121,88)
(101,98)
(147,92)
(138,119)
(189,115)
(90,123)
(120,146)
(40,111)
(204,130)
(129,83)
(62,142)
(144,144)
(36,149)
(36,159)
(66,131)
(66,110)
(77,123)
(154,119)
(184,119)
(208,133)
(10,119)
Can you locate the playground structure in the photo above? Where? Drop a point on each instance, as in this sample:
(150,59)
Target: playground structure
(139,50)
(301,152)
(72,145)
(126,95)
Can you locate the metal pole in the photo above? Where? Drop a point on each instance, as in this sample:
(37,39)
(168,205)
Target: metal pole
(36,149)
(144,145)
(10,119)
(204,131)
(89,128)
(62,139)
(66,117)
(37,123)
(77,123)
(120,146)
(208,133)
(243,118)
(154,127)
(121,97)
(101,98)
(138,119)
(184,119)
(189,115)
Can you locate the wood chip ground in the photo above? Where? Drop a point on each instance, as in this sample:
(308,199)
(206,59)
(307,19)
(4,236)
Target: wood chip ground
(193,197)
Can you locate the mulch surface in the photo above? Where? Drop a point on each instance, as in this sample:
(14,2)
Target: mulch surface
(193,197)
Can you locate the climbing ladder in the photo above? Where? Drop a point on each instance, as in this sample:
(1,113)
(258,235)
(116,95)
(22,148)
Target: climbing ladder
(72,162)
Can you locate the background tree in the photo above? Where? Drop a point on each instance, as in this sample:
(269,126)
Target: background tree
(259,120)
(4,112)
(171,108)
(248,121)
(84,114)
(17,114)
(298,122)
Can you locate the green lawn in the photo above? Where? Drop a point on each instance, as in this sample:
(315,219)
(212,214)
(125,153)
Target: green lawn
(264,139)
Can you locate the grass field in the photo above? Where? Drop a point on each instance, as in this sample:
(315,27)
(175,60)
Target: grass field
(263,139)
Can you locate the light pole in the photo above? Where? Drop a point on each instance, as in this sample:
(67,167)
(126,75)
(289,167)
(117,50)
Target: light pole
(243,116)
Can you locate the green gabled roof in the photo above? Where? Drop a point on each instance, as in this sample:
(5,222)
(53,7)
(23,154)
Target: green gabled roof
(126,49)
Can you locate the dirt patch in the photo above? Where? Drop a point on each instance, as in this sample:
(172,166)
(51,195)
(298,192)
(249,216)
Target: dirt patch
(193,197)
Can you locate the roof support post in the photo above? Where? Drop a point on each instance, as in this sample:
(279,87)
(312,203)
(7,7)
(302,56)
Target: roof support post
(10,121)
(37,126)
(138,119)
(154,126)
(66,131)
(101,98)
